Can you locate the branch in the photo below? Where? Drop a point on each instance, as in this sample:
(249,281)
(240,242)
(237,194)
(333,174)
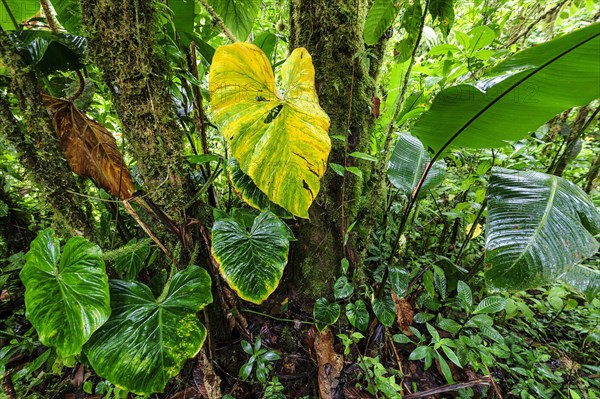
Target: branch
(219,21)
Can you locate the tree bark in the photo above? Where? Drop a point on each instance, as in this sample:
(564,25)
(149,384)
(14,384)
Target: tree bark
(332,32)
(37,145)
(122,40)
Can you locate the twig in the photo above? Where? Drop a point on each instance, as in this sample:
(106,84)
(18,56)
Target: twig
(219,21)
(537,20)
(448,388)
(493,381)
(49,16)
(145,227)
(397,357)
(7,386)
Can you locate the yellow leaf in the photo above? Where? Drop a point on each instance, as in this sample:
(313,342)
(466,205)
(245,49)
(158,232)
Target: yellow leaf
(476,232)
(279,138)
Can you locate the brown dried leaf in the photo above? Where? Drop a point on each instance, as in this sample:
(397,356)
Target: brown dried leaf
(355,393)
(330,364)
(206,380)
(90,148)
(404,312)
(79,377)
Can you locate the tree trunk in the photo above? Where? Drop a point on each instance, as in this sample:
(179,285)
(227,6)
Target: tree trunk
(37,145)
(332,32)
(123,42)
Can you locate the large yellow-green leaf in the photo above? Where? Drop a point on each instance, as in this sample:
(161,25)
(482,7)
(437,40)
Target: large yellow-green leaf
(66,296)
(279,138)
(248,191)
(252,261)
(146,340)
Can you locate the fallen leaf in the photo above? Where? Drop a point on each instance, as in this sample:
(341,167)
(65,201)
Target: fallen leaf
(330,364)
(404,312)
(90,148)
(355,393)
(207,382)
(79,377)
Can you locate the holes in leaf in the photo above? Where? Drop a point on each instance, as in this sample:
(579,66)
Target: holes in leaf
(273,114)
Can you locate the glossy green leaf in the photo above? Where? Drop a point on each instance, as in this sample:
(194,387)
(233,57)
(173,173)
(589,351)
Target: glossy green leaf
(249,193)
(464,295)
(380,17)
(66,296)
(407,164)
(147,339)
(342,288)
(325,313)
(251,261)
(238,15)
(279,139)
(51,52)
(583,279)
(385,310)
(131,258)
(520,94)
(538,227)
(399,280)
(21,10)
(490,304)
(358,315)
(449,325)
(68,13)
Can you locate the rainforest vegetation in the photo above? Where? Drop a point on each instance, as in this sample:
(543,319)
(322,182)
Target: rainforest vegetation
(299,199)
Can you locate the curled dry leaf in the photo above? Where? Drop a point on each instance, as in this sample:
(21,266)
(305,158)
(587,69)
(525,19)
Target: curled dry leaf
(90,148)
(404,312)
(330,364)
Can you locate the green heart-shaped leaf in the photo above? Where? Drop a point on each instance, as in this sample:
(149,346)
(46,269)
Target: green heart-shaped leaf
(146,340)
(252,261)
(325,313)
(67,298)
(279,139)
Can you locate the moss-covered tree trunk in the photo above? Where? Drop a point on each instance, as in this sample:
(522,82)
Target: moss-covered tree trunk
(332,32)
(123,42)
(35,141)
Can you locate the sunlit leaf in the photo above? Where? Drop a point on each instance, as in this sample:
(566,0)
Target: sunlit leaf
(66,296)
(238,15)
(279,139)
(380,17)
(91,150)
(519,95)
(146,340)
(68,13)
(21,10)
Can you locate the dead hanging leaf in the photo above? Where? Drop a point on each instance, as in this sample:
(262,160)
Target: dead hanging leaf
(404,312)
(90,148)
(330,364)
